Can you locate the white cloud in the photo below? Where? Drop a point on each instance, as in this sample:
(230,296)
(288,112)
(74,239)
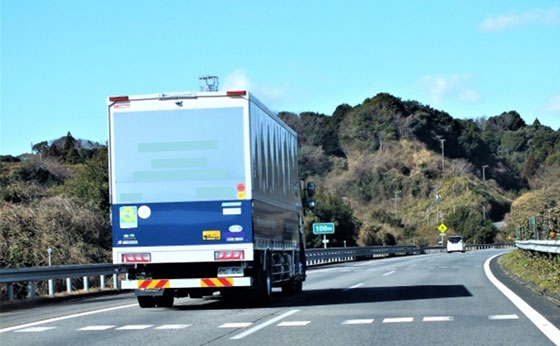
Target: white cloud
(507,21)
(440,88)
(238,80)
(553,105)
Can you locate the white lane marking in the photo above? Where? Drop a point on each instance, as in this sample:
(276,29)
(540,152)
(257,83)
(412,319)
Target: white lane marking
(398,320)
(430,260)
(503,317)
(538,320)
(437,318)
(352,287)
(236,325)
(174,326)
(34,329)
(263,325)
(389,273)
(97,328)
(293,323)
(413,265)
(363,321)
(61,318)
(135,327)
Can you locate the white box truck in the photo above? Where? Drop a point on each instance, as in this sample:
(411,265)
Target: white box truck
(205,196)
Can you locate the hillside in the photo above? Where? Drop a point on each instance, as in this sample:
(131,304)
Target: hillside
(377,166)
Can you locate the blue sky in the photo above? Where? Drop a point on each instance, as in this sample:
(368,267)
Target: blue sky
(61,59)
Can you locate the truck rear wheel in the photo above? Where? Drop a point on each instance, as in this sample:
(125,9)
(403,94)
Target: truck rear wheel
(264,288)
(165,301)
(146,301)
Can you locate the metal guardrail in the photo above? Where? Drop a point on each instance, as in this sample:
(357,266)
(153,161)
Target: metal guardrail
(54,272)
(314,257)
(343,254)
(548,246)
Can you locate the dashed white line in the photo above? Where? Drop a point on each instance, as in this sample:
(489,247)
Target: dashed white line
(293,323)
(352,287)
(437,318)
(538,320)
(135,327)
(97,328)
(362,321)
(398,320)
(263,325)
(61,318)
(174,326)
(34,329)
(503,317)
(389,273)
(413,265)
(236,325)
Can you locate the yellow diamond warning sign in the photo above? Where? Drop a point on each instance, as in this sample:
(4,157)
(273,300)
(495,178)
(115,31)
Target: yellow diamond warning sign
(442,228)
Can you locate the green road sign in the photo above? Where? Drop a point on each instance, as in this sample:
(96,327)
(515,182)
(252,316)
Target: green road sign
(323,228)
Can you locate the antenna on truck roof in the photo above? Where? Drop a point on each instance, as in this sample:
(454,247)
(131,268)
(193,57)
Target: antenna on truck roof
(208,83)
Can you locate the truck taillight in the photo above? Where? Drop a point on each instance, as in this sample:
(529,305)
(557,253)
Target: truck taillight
(229,255)
(136,258)
(118,98)
(236,93)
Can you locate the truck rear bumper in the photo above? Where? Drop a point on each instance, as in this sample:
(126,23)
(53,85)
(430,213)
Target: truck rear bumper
(187,283)
(185,253)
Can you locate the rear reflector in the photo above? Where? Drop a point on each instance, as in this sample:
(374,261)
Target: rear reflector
(236,93)
(229,255)
(136,258)
(118,98)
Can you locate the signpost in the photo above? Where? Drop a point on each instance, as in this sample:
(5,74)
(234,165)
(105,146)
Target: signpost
(442,228)
(323,229)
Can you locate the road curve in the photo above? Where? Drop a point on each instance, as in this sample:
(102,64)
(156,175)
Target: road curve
(439,299)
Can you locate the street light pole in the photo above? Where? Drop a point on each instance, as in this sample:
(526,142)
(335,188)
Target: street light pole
(442,157)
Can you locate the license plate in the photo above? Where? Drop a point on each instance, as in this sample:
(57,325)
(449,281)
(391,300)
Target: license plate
(230,271)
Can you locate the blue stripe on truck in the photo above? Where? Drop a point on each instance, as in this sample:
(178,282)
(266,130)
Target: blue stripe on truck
(182,223)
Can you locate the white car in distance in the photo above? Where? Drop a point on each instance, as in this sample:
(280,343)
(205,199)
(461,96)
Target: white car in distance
(455,243)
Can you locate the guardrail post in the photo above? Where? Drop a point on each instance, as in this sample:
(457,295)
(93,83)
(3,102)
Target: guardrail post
(102,281)
(116,282)
(51,287)
(30,289)
(86,284)
(68,285)
(10,292)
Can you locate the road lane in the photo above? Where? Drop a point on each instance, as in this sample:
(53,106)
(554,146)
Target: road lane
(426,300)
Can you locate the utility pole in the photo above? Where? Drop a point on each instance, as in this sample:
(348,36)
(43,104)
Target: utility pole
(396,199)
(485,188)
(484,175)
(442,141)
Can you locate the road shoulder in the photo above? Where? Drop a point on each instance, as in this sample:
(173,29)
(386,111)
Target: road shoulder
(547,307)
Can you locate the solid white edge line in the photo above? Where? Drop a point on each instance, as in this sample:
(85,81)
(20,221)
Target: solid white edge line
(61,318)
(547,328)
(262,325)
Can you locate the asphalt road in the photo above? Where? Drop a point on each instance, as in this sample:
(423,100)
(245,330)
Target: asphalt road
(441,299)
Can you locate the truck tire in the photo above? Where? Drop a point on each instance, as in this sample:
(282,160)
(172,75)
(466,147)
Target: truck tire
(146,301)
(294,286)
(165,301)
(264,288)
